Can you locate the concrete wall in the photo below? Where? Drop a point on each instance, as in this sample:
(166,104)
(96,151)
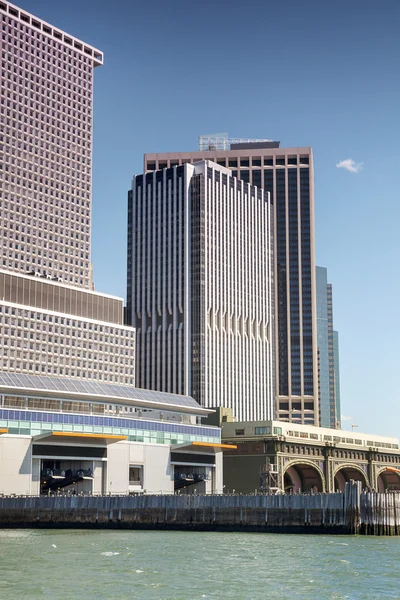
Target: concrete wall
(350,512)
(16,465)
(242,473)
(155,459)
(217,482)
(20,473)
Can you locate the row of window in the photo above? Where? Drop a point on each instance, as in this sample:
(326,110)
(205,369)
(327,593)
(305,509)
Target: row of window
(243,162)
(114,422)
(77,52)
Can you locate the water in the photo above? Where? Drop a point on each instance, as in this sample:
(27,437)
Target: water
(116,565)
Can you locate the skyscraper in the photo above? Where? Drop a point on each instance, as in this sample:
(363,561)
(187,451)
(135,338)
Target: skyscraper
(337,378)
(46,147)
(287,174)
(328,353)
(51,320)
(199,287)
(323,346)
(334,373)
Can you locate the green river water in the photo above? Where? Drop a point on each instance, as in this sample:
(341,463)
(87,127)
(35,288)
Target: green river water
(158,565)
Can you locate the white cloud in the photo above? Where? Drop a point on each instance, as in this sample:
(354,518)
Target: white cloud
(344,418)
(350,165)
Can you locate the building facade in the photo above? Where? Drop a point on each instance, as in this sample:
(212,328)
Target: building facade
(51,320)
(200,288)
(46,110)
(96,438)
(337,377)
(288,175)
(328,353)
(50,328)
(275,457)
(323,346)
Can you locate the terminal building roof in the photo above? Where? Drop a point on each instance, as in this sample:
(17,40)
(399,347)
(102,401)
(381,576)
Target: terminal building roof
(38,385)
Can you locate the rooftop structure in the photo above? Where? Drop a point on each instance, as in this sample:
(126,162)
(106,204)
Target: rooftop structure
(221,141)
(73,389)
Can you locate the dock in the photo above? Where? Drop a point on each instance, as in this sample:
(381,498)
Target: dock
(353,512)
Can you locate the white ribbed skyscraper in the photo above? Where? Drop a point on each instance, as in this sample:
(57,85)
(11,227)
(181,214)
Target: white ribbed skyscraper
(199,287)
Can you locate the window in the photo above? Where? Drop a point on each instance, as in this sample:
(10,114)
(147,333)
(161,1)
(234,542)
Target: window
(262,430)
(239,431)
(136,475)
(277,430)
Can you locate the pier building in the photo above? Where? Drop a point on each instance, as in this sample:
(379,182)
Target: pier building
(82,436)
(278,456)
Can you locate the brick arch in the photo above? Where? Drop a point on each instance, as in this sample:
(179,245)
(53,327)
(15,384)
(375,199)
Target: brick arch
(302,461)
(349,467)
(387,480)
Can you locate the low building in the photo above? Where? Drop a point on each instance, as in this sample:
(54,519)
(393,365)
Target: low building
(96,438)
(276,456)
(55,329)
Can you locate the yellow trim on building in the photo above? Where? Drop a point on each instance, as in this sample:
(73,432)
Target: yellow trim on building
(3,430)
(212,445)
(103,436)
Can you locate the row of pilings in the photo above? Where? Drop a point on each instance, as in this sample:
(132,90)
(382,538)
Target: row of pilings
(351,512)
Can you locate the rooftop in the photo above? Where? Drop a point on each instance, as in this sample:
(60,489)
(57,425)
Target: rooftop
(221,141)
(37,385)
(28,19)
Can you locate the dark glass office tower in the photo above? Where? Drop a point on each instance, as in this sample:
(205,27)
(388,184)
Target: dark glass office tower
(287,173)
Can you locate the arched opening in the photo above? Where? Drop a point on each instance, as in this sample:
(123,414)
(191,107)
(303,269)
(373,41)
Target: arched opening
(303,477)
(388,480)
(344,474)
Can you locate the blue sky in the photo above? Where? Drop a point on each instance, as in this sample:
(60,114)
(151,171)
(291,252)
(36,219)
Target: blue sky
(306,73)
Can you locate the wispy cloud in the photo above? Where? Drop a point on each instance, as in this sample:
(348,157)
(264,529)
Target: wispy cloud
(350,165)
(345,418)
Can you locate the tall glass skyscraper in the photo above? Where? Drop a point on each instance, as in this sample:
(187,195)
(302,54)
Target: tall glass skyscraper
(328,353)
(287,174)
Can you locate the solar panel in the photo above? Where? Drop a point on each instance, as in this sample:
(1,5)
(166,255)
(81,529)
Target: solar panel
(94,388)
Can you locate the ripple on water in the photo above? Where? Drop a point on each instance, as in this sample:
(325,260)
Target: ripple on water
(154,565)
